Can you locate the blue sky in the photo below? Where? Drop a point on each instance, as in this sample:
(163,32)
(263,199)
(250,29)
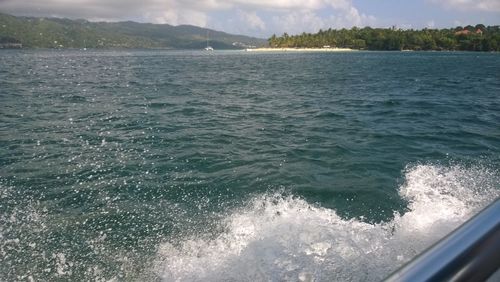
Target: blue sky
(264,17)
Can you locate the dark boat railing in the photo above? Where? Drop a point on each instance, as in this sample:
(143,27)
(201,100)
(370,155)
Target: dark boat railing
(470,253)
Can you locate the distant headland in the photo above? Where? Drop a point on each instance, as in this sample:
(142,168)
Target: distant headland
(296,49)
(36,32)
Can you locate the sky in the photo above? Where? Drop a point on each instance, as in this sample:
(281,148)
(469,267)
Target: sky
(262,18)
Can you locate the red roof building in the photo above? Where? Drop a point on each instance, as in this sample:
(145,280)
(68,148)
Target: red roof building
(465,32)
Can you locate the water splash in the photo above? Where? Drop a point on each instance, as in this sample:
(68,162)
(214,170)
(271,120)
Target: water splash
(276,238)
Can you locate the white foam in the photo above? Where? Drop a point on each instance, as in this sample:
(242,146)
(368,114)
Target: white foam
(277,238)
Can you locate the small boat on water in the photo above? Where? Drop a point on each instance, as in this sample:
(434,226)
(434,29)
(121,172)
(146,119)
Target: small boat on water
(208,48)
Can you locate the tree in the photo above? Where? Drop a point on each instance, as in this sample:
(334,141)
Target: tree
(359,44)
(273,42)
(397,39)
(480,27)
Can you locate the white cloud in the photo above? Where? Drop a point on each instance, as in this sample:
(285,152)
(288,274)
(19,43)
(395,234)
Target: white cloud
(339,14)
(481,5)
(489,5)
(252,20)
(172,12)
(310,21)
(279,4)
(296,22)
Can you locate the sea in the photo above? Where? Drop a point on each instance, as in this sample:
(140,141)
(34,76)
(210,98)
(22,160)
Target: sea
(158,165)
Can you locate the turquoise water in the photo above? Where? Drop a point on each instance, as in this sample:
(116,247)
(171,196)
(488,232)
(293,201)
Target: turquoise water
(234,166)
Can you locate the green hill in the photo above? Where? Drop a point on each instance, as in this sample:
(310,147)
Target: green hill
(65,33)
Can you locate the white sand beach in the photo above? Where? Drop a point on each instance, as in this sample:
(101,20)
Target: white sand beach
(300,50)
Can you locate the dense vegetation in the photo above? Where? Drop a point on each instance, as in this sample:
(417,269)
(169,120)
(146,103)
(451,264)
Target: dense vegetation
(65,33)
(469,38)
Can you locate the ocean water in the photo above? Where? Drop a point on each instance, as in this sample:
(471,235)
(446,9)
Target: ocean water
(233,166)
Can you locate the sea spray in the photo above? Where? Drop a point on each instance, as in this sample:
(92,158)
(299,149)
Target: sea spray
(276,237)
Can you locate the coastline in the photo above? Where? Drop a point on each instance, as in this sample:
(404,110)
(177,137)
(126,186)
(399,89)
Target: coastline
(300,50)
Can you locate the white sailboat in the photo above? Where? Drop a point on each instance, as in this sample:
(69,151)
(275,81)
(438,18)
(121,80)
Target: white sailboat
(208,48)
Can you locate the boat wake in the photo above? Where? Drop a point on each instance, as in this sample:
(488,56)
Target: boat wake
(284,238)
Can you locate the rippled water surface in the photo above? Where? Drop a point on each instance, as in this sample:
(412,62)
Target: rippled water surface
(233,166)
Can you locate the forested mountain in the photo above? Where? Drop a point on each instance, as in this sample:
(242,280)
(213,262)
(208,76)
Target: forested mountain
(469,38)
(65,33)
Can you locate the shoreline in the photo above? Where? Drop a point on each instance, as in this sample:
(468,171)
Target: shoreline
(301,50)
